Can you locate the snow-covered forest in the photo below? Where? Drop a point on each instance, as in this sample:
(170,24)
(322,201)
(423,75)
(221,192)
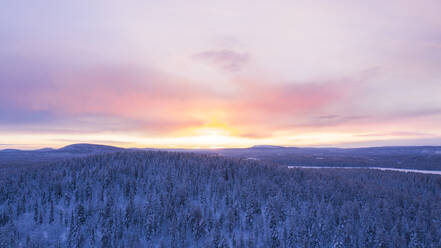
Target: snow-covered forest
(168,199)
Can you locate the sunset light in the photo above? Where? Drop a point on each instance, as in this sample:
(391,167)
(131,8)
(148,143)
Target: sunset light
(207,74)
(220,123)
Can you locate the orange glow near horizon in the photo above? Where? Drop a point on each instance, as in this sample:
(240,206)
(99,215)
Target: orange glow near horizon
(201,138)
(207,74)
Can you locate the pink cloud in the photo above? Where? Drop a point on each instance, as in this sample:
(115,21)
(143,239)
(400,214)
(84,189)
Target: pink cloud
(131,98)
(148,100)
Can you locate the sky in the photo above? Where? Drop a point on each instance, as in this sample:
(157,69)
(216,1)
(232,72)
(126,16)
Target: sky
(208,74)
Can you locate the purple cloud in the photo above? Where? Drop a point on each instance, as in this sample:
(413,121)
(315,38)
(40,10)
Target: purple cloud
(227,60)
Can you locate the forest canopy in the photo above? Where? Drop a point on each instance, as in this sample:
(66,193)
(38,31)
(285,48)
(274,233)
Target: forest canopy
(171,199)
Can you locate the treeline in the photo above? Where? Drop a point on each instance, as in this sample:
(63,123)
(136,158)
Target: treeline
(166,199)
(422,158)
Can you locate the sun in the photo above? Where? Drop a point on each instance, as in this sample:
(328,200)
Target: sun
(211,136)
(214,132)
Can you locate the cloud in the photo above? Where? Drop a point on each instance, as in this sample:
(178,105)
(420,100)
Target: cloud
(370,121)
(227,60)
(90,98)
(16,116)
(327,117)
(73,71)
(418,113)
(274,106)
(56,98)
(395,134)
(418,141)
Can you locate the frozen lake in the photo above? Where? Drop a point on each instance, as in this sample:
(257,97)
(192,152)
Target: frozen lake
(371,168)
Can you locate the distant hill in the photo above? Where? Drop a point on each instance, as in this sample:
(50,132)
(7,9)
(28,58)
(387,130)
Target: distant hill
(14,157)
(10,150)
(266,147)
(47,149)
(405,157)
(89,148)
(74,148)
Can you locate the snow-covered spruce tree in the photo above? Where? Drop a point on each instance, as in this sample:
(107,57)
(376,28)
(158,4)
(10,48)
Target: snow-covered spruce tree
(143,199)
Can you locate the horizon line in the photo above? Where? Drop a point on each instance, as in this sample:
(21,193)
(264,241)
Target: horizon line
(262,146)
